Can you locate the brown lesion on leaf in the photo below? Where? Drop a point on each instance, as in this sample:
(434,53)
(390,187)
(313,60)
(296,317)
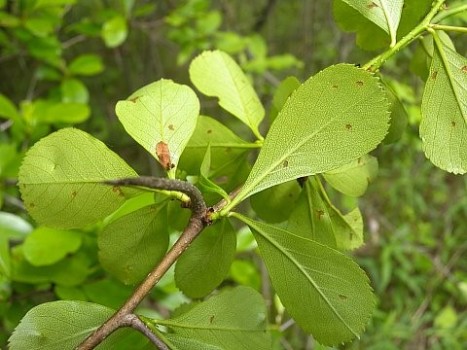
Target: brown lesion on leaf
(319,213)
(464,69)
(434,74)
(285,163)
(359,161)
(117,190)
(163,155)
(453,123)
(73,194)
(342,296)
(335,86)
(171,127)
(211,319)
(31,205)
(372,5)
(209,131)
(348,127)
(359,83)
(134,99)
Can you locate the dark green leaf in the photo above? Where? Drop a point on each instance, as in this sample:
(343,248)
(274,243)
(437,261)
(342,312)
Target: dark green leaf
(322,289)
(232,320)
(130,246)
(206,262)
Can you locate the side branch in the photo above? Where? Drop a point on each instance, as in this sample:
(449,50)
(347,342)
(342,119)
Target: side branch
(124,317)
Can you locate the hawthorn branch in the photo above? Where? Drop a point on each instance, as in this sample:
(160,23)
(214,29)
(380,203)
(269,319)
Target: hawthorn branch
(133,321)
(198,220)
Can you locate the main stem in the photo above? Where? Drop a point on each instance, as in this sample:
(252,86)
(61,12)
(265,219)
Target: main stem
(197,222)
(376,62)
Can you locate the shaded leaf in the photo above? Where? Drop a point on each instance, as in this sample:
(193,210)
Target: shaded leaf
(161,117)
(276,203)
(215,73)
(130,246)
(5,266)
(206,262)
(14,227)
(232,320)
(73,90)
(398,119)
(282,93)
(443,128)
(61,180)
(323,290)
(8,109)
(386,14)
(62,325)
(352,179)
(46,246)
(336,116)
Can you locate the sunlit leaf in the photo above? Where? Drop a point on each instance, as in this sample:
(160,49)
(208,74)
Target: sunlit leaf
(353,178)
(215,73)
(232,320)
(161,117)
(46,246)
(130,246)
(443,128)
(206,262)
(88,64)
(114,31)
(323,290)
(336,116)
(63,324)
(61,180)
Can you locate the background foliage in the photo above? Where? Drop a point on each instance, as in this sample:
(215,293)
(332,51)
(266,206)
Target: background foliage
(67,62)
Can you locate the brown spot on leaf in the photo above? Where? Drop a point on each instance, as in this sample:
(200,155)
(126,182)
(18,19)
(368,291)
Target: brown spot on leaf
(73,194)
(319,213)
(117,190)
(285,164)
(335,86)
(359,160)
(31,205)
(343,297)
(211,319)
(372,5)
(163,154)
(171,127)
(209,131)
(434,75)
(348,127)
(134,99)
(464,69)
(453,123)
(359,83)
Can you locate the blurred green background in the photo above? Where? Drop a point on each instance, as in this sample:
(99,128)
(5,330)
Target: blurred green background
(65,62)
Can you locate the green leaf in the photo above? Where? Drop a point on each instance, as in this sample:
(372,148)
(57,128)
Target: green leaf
(204,182)
(443,128)
(216,74)
(276,203)
(5,265)
(323,290)
(336,116)
(61,180)
(130,246)
(73,90)
(87,64)
(232,320)
(352,179)
(315,217)
(14,227)
(8,109)
(52,112)
(282,93)
(399,118)
(114,31)
(385,14)
(46,246)
(161,117)
(206,262)
(63,324)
